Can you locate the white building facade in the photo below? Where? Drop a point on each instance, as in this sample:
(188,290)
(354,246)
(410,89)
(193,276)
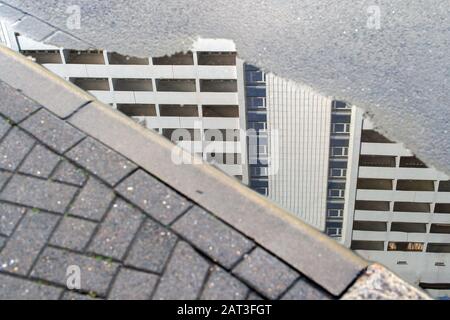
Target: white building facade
(201,91)
(317,157)
(397,210)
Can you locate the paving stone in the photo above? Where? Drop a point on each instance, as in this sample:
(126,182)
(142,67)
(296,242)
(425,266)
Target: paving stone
(68,173)
(93,200)
(23,247)
(38,193)
(9,217)
(133,285)
(62,39)
(117,230)
(12,288)
(71,295)
(219,241)
(267,274)
(10,14)
(73,233)
(34,28)
(304,289)
(52,131)
(2,242)
(4,127)
(4,176)
(101,161)
(40,162)
(254,296)
(223,286)
(96,274)
(152,196)
(378,283)
(55,93)
(14,105)
(151,248)
(14,147)
(184,275)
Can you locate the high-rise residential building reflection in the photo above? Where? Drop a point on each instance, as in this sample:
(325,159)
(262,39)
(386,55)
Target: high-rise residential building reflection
(318,157)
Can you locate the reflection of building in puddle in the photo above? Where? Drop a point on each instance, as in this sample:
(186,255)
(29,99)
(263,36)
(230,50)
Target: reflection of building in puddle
(200,91)
(317,157)
(397,209)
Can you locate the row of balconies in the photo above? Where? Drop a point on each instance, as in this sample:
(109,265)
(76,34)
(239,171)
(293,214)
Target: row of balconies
(366,203)
(178,110)
(97,57)
(403,185)
(378,241)
(162,85)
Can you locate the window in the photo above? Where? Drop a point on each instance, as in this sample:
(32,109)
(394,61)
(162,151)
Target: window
(43,56)
(132,84)
(141,110)
(339,151)
(411,162)
(341,128)
(176,110)
(438,247)
(339,105)
(221,111)
(84,57)
(176,85)
(374,184)
(216,58)
(444,186)
(207,85)
(262,191)
(372,136)
(415,185)
(256,102)
(175,59)
(437,286)
(257,126)
(367,245)
(376,161)
(338,173)
(336,193)
(370,225)
(440,228)
(256,76)
(334,232)
(408,227)
(442,208)
(262,150)
(115,58)
(372,205)
(94,84)
(335,213)
(411,207)
(259,171)
(405,246)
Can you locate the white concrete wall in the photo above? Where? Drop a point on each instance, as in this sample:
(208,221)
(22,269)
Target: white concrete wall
(416,267)
(195,71)
(302,117)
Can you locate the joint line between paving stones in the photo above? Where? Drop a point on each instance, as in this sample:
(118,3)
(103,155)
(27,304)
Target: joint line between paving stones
(45,22)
